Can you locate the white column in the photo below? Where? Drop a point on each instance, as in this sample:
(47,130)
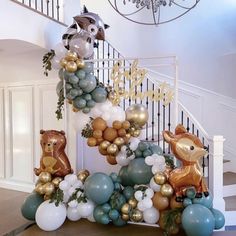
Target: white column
(216,172)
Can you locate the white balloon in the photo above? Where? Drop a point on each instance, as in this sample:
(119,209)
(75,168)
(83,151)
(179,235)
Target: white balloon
(149,160)
(71,190)
(123,149)
(138,195)
(141,206)
(160,160)
(56,63)
(155,169)
(66,196)
(91,218)
(155,187)
(73,203)
(86,209)
(122,160)
(149,192)
(64,185)
(147,202)
(73,214)
(60,50)
(71,178)
(151,215)
(106,116)
(50,217)
(78,184)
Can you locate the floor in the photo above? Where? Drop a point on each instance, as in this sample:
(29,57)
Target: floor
(12,223)
(10,215)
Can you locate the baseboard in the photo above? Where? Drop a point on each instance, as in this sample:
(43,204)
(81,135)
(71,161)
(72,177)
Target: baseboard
(18,186)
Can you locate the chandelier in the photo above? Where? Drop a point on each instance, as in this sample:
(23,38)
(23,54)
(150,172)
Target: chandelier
(152,12)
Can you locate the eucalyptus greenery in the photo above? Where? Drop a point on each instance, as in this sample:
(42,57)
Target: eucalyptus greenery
(57,197)
(47,64)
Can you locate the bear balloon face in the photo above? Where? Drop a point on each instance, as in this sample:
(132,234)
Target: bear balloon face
(52,141)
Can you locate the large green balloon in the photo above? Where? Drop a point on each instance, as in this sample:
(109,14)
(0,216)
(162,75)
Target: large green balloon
(197,220)
(99,94)
(219,218)
(79,103)
(99,187)
(125,178)
(139,171)
(30,206)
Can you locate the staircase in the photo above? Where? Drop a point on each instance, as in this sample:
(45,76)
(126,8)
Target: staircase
(162,116)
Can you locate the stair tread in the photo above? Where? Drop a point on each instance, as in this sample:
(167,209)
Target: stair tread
(229,178)
(230,203)
(226,161)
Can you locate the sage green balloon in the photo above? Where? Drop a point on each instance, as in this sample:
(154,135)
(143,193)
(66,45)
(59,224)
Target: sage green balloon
(139,171)
(30,206)
(98,187)
(79,103)
(92,83)
(125,178)
(99,94)
(81,74)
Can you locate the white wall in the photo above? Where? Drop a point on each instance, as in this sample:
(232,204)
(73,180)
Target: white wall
(204,41)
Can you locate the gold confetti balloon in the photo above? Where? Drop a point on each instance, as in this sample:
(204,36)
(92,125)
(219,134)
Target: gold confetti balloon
(136,215)
(137,113)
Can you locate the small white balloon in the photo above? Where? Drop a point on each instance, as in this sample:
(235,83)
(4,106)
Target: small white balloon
(123,149)
(151,215)
(149,160)
(141,206)
(138,195)
(50,217)
(64,185)
(73,214)
(71,178)
(149,192)
(73,203)
(147,202)
(56,63)
(155,187)
(78,184)
(122,160)
(86,209)
(60,50)
(71,190)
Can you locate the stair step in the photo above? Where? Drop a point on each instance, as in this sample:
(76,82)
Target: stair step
(229,178)
(225,161)
(230,203)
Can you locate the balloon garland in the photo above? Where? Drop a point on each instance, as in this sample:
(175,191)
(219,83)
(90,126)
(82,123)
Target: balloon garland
(148,187)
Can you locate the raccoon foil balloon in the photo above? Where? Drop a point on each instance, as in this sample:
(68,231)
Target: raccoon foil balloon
(88,21)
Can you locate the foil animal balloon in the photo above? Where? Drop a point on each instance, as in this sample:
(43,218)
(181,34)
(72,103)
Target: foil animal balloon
(88,21)
(54,159)
(187,148)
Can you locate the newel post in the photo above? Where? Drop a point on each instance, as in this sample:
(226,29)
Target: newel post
(216,172)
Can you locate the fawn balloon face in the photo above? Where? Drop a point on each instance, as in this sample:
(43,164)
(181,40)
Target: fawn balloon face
(188,150)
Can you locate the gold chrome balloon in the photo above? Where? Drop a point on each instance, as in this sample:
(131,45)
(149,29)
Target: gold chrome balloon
(133,202)
(104,144)
(112,149)
(160,178)
(71,56)
(49,188)
(63,62)
(71,66)
(82,175)
(166,190)
(56,181)
(125,209)
(119,141)
(45,177)
(136,133)
(137,113)
(125,217)
(39,189)
(136,215)
(80,63)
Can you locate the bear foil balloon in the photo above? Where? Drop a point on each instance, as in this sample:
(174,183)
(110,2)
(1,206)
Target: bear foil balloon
(54,159)
(189,150)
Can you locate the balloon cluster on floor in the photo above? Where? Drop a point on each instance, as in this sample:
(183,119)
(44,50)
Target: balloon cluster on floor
(142,191)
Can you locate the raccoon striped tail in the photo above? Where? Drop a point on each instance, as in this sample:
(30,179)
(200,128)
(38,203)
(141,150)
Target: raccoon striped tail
(71,31)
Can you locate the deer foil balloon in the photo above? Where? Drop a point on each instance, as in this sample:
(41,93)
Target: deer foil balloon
(189,150)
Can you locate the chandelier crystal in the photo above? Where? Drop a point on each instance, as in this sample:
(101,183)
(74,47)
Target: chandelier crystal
(152,12)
